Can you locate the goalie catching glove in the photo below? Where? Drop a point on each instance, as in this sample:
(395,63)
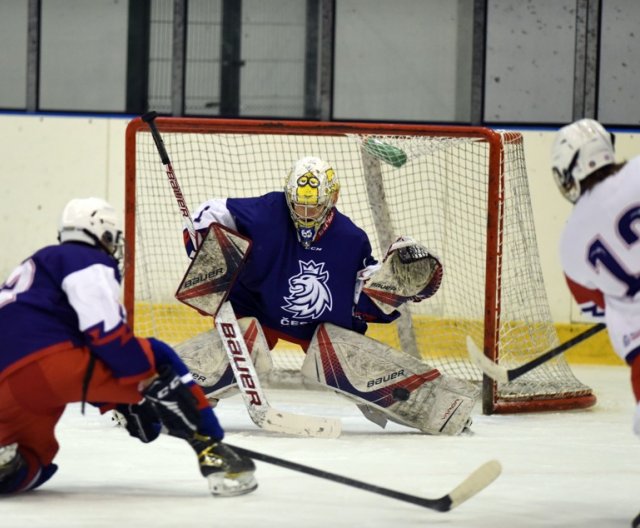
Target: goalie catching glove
(409,272)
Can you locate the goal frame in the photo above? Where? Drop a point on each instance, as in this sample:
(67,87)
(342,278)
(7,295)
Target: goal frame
(494,233)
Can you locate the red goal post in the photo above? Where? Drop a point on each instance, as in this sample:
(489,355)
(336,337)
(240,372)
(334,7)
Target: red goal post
(461,191)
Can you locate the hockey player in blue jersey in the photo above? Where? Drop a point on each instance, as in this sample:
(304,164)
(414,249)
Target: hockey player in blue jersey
(311,275)
(65,339)
(306,257)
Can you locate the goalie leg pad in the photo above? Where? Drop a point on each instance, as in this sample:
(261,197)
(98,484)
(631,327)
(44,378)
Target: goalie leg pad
(406,390)
(442,407)
(207,360)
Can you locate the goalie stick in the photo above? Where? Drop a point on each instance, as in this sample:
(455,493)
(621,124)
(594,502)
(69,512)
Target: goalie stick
(504,375)
(259,409)
(470,486)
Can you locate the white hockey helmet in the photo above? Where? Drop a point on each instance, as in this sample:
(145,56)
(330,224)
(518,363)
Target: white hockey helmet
(311,190)
(579,150)
(91,221)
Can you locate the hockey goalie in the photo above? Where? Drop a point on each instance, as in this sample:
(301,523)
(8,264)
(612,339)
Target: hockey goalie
(305,274)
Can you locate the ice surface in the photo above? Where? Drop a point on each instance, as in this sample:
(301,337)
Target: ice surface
(565,469)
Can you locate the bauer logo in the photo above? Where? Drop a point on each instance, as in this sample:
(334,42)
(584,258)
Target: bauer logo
(383,287)
(247,383)
(203,277)
(200,379)
(385,378)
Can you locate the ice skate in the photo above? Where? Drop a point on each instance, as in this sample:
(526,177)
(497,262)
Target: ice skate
(228,473)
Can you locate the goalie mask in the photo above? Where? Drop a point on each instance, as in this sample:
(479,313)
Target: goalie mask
(91,221)
(311,190)
(579,150)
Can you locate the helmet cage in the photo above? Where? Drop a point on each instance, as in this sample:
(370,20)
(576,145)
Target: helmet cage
(568,185)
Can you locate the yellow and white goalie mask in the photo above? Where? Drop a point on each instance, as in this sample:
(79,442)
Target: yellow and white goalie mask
(311,190)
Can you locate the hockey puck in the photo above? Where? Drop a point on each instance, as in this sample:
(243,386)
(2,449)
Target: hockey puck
(400,394)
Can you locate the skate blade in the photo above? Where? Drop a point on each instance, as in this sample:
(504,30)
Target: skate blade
(223,485)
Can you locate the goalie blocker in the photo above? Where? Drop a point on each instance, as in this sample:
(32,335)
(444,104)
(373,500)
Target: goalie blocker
(388,384)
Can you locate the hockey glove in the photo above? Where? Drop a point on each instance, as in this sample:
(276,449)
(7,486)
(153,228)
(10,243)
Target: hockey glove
(140,420)
(415,268)
(409,272)
(174,403)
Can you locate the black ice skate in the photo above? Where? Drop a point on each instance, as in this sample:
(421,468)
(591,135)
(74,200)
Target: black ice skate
(227,472)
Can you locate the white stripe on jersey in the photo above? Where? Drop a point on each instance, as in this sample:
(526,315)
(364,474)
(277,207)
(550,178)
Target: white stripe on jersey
(94,294)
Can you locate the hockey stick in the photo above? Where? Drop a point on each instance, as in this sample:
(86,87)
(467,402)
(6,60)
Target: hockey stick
(503,375)
(470,486)
(262,414)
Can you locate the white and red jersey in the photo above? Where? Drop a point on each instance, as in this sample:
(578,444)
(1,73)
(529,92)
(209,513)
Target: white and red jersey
(600,254)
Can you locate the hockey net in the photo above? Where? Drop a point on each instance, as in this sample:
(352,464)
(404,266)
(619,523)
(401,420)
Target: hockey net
(461,191)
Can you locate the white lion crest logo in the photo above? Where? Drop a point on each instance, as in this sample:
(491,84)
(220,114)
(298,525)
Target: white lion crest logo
(309,295)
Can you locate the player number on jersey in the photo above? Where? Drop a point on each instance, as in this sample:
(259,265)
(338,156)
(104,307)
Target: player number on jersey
(599,253)
(20,280)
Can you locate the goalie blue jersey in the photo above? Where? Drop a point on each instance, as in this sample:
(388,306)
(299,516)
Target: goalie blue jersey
(67,296)
(288,288)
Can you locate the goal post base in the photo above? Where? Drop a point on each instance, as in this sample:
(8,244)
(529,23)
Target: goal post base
(549,405)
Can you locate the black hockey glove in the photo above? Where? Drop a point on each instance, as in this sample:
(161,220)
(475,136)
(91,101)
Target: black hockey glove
(140,420)
(174,403)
